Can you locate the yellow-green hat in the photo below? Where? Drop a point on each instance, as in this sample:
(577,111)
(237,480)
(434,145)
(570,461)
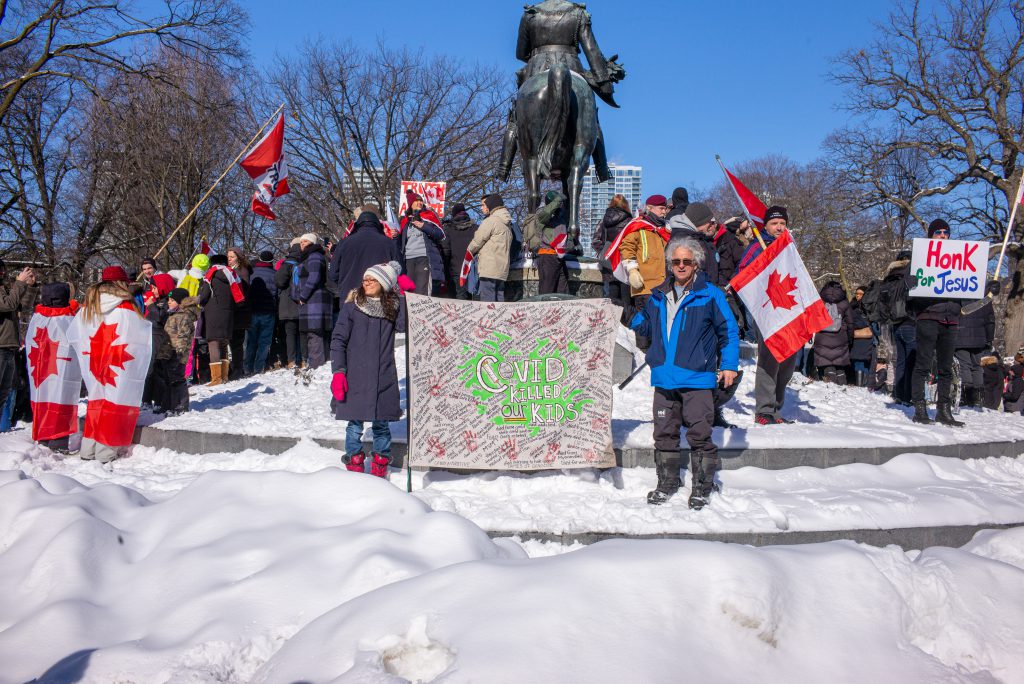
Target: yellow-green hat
(201,261)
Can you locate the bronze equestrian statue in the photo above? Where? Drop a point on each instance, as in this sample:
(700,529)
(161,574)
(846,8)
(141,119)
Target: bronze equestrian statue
(553,123)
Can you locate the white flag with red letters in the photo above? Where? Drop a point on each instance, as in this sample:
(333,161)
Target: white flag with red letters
(113,352)
(54,378)
(780,295)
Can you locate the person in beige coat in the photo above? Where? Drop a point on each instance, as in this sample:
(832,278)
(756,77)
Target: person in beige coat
(491,246)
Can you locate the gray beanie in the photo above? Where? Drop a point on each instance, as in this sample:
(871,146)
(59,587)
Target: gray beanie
(385,274)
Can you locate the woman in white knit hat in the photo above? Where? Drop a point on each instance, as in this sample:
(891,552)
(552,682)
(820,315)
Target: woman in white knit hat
(365,383)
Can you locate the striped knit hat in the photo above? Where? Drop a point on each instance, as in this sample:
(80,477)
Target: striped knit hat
(385,274)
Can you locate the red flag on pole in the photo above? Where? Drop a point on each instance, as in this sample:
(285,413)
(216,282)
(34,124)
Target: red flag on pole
(266,165)
(204,247)
(753,206)
(780,295)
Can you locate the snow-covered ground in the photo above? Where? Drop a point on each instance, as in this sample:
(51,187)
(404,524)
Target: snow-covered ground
(280,404)
(165,567)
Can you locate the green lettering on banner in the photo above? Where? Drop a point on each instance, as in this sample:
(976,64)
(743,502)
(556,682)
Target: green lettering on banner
(531,389)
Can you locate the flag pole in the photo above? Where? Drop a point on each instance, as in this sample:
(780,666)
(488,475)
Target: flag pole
(976,305)
(753,223)
(219,179)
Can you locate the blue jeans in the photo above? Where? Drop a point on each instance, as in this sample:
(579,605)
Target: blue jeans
(905,337)
(491,290)
(257,342)
(381,437)
(7,412)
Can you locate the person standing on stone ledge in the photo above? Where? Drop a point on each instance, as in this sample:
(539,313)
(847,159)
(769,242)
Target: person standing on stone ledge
(642,251)
(492,246)
(693,316)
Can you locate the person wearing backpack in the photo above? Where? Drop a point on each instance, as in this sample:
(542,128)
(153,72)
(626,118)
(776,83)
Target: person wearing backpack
(832,344)
(548,239)
(886,304)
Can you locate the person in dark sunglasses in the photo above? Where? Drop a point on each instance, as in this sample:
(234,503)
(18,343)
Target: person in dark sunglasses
(690,327)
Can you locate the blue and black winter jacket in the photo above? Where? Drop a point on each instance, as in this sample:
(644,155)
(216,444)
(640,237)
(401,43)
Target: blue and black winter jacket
(685,355)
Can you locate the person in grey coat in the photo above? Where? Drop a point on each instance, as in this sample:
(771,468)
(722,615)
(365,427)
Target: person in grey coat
(365,382)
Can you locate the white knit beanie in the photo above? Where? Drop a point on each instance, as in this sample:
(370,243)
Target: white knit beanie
(385,274)
(310,237)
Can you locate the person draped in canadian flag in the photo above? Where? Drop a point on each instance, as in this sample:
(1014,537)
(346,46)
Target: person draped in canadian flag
(774,285)
(637,255)
(55,380)
(113,343)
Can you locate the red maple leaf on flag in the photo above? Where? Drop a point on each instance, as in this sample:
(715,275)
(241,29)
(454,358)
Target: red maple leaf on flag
(779,290)
(104,355)
(44,356)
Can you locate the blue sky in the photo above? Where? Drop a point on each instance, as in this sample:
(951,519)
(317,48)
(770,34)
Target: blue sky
(741,79)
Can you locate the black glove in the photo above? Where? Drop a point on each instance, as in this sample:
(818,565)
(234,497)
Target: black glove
(993,288)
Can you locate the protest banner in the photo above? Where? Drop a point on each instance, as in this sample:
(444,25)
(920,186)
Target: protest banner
(510,386)
(432,192)
(949,268)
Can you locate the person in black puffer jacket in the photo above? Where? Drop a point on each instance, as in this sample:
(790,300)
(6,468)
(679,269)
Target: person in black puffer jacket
(262,298)
(862,352)
(459,230)
(616,217)
(994,380)
(832,349)
(974,338)
(936,327)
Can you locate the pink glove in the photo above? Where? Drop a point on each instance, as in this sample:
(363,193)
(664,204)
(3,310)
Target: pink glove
(339,386)
(405,284)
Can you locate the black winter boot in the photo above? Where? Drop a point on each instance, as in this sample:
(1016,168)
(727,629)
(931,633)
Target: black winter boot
(703,466)
(945,416)
(667,465)
(921,413)
(720,420)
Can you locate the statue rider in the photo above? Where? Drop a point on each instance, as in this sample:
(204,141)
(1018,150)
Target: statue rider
(551,33)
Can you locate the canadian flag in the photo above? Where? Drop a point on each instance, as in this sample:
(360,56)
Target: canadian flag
(234,282)
(204,247)
(113,352)
(751,204)
(55,380)
(267,166)
(467,266)
(612,253)
(780,295)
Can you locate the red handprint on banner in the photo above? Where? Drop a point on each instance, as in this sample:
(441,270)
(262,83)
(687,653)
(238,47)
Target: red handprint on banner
(596,319)
(596,358)
(440,336)
(436,385)
(509,449)
(483,329)
(435,448)
(469,439)
(552,453)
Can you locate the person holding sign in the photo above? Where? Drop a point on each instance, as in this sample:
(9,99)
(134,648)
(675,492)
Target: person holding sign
(936,328)
(690,327)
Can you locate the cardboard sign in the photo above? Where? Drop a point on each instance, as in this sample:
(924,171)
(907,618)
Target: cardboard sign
(510,386)
(432,193)
(949,268)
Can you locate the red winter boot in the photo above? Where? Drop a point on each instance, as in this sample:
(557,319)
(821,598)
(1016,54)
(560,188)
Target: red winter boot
(379,467)
(354,462)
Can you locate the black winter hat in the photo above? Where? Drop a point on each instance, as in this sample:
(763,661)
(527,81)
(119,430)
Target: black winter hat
(937,224)
(458,208)
(680,198)
(218,260)
(55,295)
(178,294)
(493,201)
(699,213)
(775,212)
(266,255)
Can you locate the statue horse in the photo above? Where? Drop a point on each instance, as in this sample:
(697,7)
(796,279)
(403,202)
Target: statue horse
(556,126)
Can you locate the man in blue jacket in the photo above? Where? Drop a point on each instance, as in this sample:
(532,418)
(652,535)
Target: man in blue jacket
(690,326)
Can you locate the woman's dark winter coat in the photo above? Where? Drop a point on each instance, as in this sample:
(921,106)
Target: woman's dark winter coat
(363,347)
(993,377)
(833,348)
(156,314)
(366,246)
(606,231)
(864,347)
(458,231)
(218,307)
(977,329)
(1013,397)
(316,305)
(287,308)
(243,311)
(730,250)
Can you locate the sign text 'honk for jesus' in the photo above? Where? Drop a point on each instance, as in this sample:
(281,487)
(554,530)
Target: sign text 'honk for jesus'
(949,268)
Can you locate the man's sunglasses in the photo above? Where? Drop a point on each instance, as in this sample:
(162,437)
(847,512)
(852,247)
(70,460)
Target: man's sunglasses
(940,231)
(684,262)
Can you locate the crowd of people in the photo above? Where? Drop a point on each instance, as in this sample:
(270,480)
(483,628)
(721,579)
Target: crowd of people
(227,316)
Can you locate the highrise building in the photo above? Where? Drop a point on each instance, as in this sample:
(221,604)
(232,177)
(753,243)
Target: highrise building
(594,198)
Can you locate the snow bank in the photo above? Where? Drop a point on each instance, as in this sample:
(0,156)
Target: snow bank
(280,404)
(207,584)
(698,611)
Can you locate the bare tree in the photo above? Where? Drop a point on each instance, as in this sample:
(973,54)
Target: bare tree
(946,86)
(363,121)
(70,39)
